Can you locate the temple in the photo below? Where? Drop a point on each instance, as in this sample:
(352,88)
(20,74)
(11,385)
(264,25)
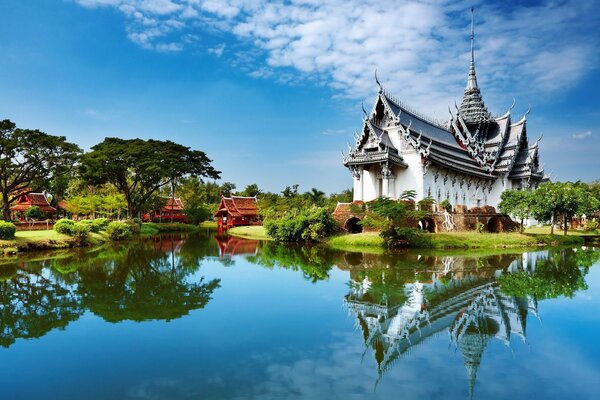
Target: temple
(469,160)
(237,211)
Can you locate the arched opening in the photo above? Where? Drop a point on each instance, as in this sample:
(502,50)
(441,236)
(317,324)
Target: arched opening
(427,224)
(353,226)
(495,225)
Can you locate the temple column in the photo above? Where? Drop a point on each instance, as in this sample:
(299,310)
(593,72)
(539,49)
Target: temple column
(357,174)
(387,179)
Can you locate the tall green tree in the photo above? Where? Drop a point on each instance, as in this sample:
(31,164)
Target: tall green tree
(140,168)
(30,160)
(517,203)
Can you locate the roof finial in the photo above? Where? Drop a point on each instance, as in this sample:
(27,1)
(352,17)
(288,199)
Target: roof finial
(472,81)
(378,83)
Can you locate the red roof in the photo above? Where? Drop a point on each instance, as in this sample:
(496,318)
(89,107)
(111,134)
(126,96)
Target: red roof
(238,206)
(28,200)
(173,204)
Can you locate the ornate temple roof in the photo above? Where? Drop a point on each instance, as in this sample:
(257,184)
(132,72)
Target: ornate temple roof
(472,142)
(238,206)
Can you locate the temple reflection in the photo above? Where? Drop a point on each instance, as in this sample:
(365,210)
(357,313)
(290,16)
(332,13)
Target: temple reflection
(470,299)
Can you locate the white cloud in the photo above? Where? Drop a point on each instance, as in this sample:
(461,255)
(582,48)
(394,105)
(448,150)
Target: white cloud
(217,50)
(582,135)
(420,49)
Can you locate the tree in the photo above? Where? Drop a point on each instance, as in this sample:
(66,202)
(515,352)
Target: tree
(227,189)
(316,196)
(33,212)
(251,190)
(517,203)
(566,199)
(140,168)
(30,160)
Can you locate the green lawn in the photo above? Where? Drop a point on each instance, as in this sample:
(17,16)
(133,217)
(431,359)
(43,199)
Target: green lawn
(249,232)
(456,240)
(545,230)
(208,224)
(368,242)
(46,239)
(152,228)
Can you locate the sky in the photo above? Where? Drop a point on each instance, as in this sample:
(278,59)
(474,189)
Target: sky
(272,90)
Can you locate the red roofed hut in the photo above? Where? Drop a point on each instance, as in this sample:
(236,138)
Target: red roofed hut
(173,207)
(28,200)
(237,211)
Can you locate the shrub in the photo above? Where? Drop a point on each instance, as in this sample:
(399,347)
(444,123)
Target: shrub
(81,230)
(7,230)
(307,225)
(64,226)
(134,225)
(118,230)
(591,226)
(195,215)
(33,212)
(99,224)
(480,227)
(446,205)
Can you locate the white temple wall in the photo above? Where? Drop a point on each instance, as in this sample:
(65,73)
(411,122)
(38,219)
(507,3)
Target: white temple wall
(410,178)
(371,189)
(497,188)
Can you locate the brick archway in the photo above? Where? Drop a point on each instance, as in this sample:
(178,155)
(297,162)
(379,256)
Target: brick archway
(352,225)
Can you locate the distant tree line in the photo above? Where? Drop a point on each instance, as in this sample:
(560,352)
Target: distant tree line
(553,202)
(121,178)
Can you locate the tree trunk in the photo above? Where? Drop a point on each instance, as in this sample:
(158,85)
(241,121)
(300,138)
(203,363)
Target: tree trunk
(552,224)
(5,206)
(522,227)
(566,224)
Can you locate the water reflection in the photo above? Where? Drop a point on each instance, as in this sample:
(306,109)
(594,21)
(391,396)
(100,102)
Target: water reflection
(400,304)
(143,280)
(473,300)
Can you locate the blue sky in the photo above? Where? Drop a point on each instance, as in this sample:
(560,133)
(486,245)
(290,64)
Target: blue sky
(272,91)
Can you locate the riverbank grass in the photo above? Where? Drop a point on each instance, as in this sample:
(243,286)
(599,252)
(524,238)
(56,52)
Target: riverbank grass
(208,225)
(458,240)
(47,239)
(249,232)
(152,228)
(366,242)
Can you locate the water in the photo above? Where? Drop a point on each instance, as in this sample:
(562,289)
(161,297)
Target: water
(209,317)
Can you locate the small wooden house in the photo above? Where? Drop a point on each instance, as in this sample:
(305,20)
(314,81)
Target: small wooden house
(171,211)
(237,211)
(28,200)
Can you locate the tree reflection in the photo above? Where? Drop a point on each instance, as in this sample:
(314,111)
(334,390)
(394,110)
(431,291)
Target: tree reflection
(560,273)
(31,305)
(149,279)
(145,283)
(314,262)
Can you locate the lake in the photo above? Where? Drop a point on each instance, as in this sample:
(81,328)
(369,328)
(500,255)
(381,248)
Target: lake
(213,317)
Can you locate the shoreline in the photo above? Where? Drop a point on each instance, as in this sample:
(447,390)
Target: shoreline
(40,240)
(370,242)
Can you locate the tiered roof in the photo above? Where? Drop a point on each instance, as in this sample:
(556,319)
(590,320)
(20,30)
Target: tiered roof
(238,206)
(174,204)
(25,201)
(472,142)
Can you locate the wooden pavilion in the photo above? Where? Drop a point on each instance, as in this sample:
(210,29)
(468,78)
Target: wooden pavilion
(28,200)
(237,211)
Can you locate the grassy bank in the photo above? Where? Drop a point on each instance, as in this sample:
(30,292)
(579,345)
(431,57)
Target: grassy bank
(152,228)
(249,232)
(368,242)
(208,225)
(44,240)
(458,240)
(50,239)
